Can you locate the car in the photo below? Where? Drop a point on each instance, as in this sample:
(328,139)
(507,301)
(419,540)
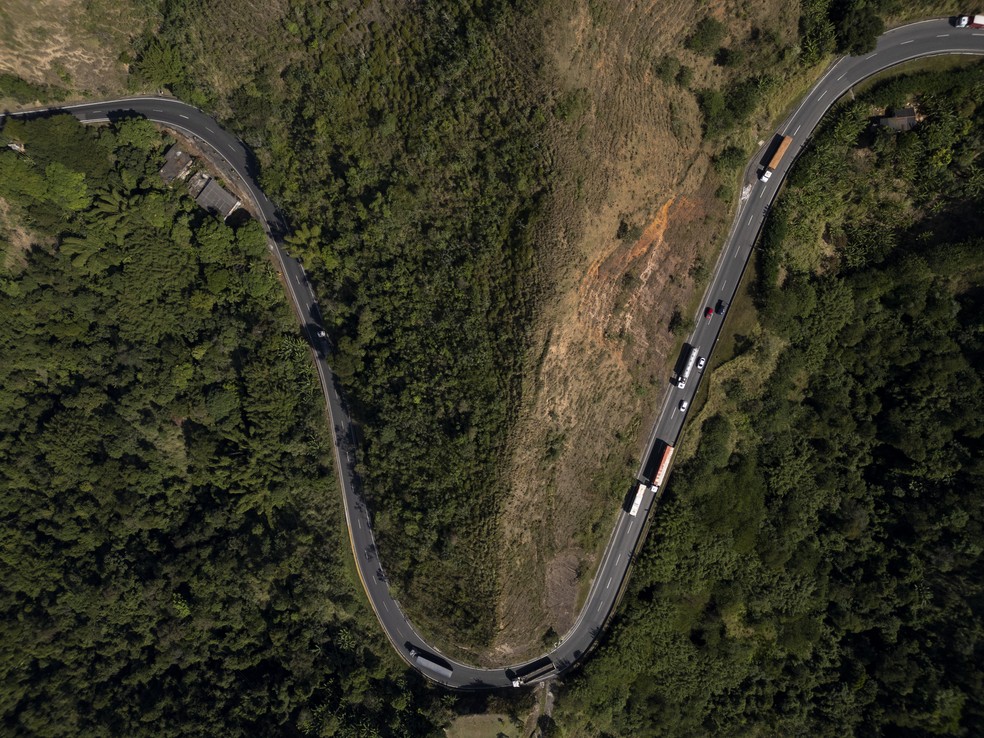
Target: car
(321,333)
(684,404)
(721,307)
(709,313)
(700,363)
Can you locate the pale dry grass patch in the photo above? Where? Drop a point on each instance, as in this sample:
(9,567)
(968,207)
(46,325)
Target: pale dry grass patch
(72,44)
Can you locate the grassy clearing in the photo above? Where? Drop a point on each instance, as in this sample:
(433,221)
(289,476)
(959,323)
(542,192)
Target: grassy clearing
(484,726)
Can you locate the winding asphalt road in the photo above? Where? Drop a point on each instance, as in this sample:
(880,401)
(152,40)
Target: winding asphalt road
(231,157)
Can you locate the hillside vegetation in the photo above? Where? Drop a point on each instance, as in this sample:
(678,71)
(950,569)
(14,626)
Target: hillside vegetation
(816,565)
(421,154)
(171,563)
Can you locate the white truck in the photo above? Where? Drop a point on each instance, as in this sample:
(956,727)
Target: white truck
(637,502)
(970,21)
(689,367)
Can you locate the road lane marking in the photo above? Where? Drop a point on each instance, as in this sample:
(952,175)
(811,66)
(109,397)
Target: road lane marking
(609,583)
(385,606)
(618,559)
(183,116)
(158,110)
(978,34)
(871,57)
(297,279)
(942,35)
(209,129)
(821,95)
(797,129)
(737,251)
(907,42)
(724,283)
(359,521)
(842,77)
(749,221)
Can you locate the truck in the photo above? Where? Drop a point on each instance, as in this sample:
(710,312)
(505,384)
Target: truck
(427,663)
(664,466)
(689,367)
(637,502)
(776,158)
(970,21)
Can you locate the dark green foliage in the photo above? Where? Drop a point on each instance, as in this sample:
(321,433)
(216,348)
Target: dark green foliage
(729,160)
(707,36)
(818,36)
(844,26)
(23,91)
(667,68)
(729,57)
(573,105)
(409,155)
(170,558)
(723,111)
(814,568)
(859,28)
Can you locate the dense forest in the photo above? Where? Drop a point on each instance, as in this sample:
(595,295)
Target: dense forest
(172,558)
(405,154)
(815,567)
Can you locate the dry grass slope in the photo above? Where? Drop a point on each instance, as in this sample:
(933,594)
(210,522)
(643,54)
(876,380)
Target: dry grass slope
(634,211)
(70,43)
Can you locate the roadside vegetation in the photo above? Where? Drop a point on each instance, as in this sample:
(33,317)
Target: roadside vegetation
(172,557)
(814,569)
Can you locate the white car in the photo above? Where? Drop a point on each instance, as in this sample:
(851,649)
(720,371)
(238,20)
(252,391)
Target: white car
(684,404)
(700,363)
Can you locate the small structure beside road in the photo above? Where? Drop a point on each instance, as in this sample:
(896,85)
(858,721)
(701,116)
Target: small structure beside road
(208,193)
(177,164)
(901,119)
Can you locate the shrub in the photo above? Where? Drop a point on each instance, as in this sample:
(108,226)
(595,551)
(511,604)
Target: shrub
(707,36)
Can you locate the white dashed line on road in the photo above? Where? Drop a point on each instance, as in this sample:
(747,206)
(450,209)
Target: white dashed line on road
(842,77)
(385,606)
(942,35)
(359,522)
(209,129)
(821,95)
(609,583)
(797,129)
(749,221)
(871,57)
(183,116)
(158,110)
(907,42)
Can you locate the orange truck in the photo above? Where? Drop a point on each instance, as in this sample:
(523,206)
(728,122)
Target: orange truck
(776,158)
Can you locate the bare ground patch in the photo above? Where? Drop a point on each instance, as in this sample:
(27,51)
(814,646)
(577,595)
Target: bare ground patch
(71,44)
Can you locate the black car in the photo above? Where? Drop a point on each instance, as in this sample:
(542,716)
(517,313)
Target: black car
(721,307)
